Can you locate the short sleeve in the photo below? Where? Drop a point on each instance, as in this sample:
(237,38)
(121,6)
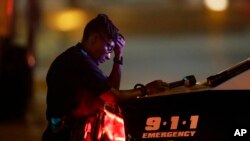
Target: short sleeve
(86,75)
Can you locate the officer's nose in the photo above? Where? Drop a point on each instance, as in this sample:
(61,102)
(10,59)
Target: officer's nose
(108,56)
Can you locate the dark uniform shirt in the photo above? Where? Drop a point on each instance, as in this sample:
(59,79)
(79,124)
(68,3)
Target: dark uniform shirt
(72,75)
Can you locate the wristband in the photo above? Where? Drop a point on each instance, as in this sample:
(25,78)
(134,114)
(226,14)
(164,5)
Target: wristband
(120,62)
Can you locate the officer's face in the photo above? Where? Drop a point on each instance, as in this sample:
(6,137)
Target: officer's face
(105,48)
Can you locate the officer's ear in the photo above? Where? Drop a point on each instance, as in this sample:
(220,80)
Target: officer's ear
(94,37)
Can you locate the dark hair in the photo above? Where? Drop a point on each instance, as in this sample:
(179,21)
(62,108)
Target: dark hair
(101,23)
